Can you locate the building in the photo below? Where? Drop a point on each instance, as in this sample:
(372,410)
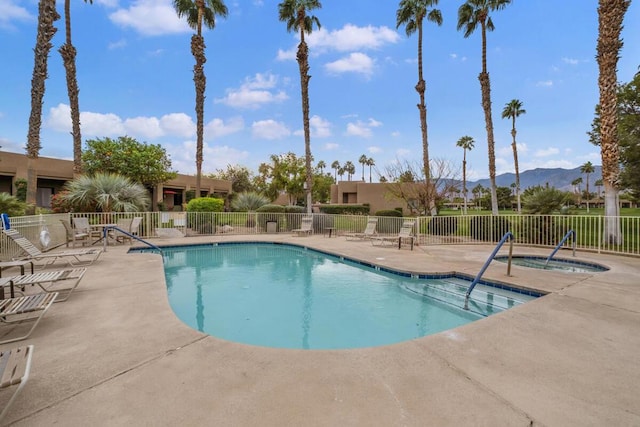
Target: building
(54,173)
(376,195)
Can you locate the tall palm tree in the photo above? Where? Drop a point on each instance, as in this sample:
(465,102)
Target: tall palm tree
(321,165)
(294,13)
(587,169)
(471,14)
(199,12)
(47,15)
(350,169)
(610,16)
(576,186)
(68,53)
(598,184)
(363,161)
(466,143)
(335,165)
(411,14)
(370,163)
(513,109)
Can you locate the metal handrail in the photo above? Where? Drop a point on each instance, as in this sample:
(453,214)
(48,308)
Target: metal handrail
(559,245)
(508,235)
(105,231)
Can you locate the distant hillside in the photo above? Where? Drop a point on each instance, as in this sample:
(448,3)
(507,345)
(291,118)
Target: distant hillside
(558,178)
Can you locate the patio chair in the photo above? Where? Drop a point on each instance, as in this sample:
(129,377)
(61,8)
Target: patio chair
(368,233)
(74,235)
(15,365)
(48,281)
(25,308)
(123,224)
(72,257)
(82,225)
(306,227)
(405,234)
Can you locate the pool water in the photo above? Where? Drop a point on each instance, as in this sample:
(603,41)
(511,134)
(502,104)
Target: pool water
(557,264)
(288,296)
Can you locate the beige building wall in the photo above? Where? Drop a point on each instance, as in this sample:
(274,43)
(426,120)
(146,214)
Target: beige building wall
(54,173)
(359,192)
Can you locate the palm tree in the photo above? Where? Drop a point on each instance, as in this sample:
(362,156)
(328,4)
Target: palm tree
(598,185)
(512,110)
(363,161)
(466,143)
(370,163)
(47,15)
(350,169)
(587,169)
(341,171)
(294,13)
(321,165)
(411,14)
(610,16)
(471,14)
(576,189)
(335,165)
(106,192)
(199,12)
(68,53)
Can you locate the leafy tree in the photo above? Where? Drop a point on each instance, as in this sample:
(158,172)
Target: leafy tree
(610,16)
(411,14)
(471,14)
(145,163)
(199,12)
(466,143)
(68,53)
(286,173)
(295,14)
(240,176)
(322,187)
(47,15)
(587,169)
(105,192)
(504,197)
(512,110)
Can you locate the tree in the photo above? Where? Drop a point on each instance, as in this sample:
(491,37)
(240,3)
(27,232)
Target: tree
(350,169)
(363,161)
(335,166)
(240,176)
(68,53)
(598,185)
(576,186)
(370,163)
(544,201)
(321,165)
(147,164)
(47,15)
(199,12)
(471,14)
(587,169)
(286,172)
(411,14)
(513,109)
(294,13)
(341,171)
(322,187)
(466,143)
(106,192)
(610,16)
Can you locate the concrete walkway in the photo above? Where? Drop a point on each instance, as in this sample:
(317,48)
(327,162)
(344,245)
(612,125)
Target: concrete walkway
(114,354)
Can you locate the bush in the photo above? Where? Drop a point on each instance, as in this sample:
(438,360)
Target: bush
(11,205)
(488,228)
(541,230)
(442,226)
(389,212)
(203,204)
(388,222)
(346,209)
(293,215)
(269,213)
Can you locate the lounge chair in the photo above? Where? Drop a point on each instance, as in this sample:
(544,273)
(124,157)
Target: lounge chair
(306,227)
(73,257)
(368,233)
(22,309)
(48,281)
(74,235)
(15,365)
(405,234)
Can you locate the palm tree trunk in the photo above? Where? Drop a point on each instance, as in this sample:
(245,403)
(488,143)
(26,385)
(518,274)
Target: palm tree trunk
(68,53)
(464,180)
(47,15)
(421,87)
(303,63)
(200,80)
(515,163)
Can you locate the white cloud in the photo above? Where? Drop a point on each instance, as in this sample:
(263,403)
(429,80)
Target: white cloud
(570,61)
(374,150)
(362,129)
(356,62)
(117,45)
(217,128)
(329,146)
(150,18)
(93,124)
(320,128)
(545,83)
(147,127)
(10,12)
(403,153)
(254,93)
(178,124)
(214,157)
(551,151)
(269,129)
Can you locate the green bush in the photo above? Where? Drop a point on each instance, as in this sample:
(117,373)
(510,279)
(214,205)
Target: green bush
(293,216)
(205,204)
(442,226)
(387,222)
(11,205)
(389,212)
(488,228)
(541,230)
(269,213)
(346,209)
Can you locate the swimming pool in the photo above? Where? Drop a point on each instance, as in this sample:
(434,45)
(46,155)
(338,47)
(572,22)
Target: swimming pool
(287,296)
(557,264)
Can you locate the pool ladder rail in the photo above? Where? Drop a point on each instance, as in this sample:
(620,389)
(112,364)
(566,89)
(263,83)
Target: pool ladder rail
(105,231)
(570,233)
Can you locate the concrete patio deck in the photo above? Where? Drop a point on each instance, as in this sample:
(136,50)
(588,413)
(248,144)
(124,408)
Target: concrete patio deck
(114,354)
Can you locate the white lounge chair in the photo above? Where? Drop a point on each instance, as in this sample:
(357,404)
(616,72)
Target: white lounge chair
(15,365)
(48,281)
(25,308)
(405,234)
(72,257)
(368,233)
(306,227)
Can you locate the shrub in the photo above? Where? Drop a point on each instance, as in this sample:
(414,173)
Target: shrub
(488,228)
(203,224)
(270,213)
(443,226)
(388,222)
(293,216)
(346,209)
(248,202)
(389,212)
(11,205)
(205,204)
(541,230)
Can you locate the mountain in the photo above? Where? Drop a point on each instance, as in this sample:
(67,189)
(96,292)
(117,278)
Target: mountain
(557,177)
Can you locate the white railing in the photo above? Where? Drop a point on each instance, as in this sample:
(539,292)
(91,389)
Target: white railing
(530,230)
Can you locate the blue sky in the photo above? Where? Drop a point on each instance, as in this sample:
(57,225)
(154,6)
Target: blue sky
(135,77)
